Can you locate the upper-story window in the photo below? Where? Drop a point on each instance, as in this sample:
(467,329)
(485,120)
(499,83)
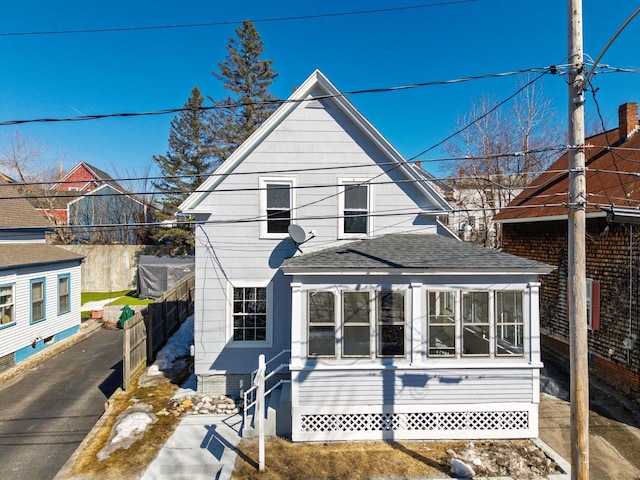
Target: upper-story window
(277,206)
(355,208)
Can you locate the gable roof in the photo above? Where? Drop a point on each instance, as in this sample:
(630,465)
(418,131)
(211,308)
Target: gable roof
(98,174)
(613,167)
(410,253)
(17,212)
(301,94)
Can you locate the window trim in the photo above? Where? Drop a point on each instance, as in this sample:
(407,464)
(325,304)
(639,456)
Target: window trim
(58,296)
(370,322)
(44,299)
(497,324)
(269,331)
(488,324)
(456,323)
(335,324)
(343,184)
(291,182)
(13,304)
(378,323)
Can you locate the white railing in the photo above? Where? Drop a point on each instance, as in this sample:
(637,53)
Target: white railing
(249,395)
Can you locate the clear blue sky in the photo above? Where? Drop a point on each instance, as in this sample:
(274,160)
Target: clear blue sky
(52,76)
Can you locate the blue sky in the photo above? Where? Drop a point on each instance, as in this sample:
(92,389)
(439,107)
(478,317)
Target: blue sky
(53,76)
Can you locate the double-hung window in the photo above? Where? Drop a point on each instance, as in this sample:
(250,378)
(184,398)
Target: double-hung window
(322,324)
(441,324)
(7,301)
(476,331)
(391,323)
(355,208)
(509,323)
(356,324)
(277,206)
(37,300)
(249,314)
(64,303)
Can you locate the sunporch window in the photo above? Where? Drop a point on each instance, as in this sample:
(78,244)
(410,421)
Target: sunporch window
(391,320)
(475,323)
(509,323)
(356,328)
(441,324)
(322,324)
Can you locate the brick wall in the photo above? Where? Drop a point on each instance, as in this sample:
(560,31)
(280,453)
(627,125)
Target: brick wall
(608,261)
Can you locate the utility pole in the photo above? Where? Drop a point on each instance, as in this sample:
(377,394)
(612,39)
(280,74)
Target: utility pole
(577,301)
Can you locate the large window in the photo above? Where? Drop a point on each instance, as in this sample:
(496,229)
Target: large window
(322,324)
(355,209)
(64,303)
(250,314)
(277,205)
(7,301)
(509,323)
(391,319)
(475,323)
(441,324)
(37,300)
(356,328)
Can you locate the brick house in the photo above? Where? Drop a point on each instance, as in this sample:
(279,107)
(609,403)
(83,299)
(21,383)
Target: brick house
(535,226)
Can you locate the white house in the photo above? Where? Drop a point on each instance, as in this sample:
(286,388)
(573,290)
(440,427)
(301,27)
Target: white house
(39,283)
(396,328)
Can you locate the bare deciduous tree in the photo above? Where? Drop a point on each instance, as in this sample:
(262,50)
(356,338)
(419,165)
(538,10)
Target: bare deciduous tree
(498,156)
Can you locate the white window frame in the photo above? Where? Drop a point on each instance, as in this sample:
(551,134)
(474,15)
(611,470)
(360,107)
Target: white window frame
(344,183)
(521,324)
(269,330)
(291,182)
(456,322)
(9,305)
(334,325)
(404,323)
(371,324)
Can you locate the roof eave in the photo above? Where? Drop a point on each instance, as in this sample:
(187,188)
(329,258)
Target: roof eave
(547,218)
(326,271)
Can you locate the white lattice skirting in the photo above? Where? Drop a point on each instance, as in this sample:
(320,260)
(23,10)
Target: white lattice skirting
(417,425)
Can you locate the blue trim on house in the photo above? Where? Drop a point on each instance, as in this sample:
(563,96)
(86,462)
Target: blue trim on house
(44,300)
(40,345)
(68,277)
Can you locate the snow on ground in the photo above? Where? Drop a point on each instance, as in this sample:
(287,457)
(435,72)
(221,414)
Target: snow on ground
(134,421)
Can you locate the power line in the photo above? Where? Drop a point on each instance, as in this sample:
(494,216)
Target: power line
(233,22)
(279,102)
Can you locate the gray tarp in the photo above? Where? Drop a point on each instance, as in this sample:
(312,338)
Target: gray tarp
(156,275)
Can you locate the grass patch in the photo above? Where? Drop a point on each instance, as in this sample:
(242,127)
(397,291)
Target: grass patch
(95,296)
(132,301)
(342,460)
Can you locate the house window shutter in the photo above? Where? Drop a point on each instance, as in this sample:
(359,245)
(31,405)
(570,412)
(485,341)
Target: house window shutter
(595,305)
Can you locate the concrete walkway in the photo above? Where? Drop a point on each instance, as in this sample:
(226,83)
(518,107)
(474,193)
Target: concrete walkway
(202,447)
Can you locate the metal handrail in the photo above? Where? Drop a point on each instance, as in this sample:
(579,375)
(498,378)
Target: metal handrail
(253,374)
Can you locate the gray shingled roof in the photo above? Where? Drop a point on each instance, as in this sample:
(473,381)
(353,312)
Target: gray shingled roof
(412,252)
(26,254)
(17,212)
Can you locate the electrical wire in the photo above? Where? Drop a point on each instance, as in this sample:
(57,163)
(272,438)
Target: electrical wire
(233,22)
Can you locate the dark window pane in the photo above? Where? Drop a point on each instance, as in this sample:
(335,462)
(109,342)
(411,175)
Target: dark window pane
(355,222)
(475,340)
(322,341)
(356,307)
(391,338)
(278,221)
(390,307)
(278,196)
(321,307)
(261,334)
(442,340)
(355,341)
(355,197)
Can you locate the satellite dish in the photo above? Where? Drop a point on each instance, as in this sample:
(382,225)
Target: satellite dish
(297,234)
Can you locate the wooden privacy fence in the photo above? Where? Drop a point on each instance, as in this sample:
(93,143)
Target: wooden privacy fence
(146,332)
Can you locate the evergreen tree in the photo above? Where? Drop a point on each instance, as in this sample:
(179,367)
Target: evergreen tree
(249,78)
(190,156)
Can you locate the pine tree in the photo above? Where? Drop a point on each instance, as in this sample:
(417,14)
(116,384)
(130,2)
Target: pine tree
(249,78)
(190,156)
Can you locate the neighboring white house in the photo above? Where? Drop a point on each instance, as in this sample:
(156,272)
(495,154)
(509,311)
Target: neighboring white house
(396,328)
(39,283)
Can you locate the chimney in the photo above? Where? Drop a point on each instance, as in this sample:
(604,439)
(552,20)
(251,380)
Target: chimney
(627,119)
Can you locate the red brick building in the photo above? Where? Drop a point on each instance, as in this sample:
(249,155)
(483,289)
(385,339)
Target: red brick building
(535,226)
